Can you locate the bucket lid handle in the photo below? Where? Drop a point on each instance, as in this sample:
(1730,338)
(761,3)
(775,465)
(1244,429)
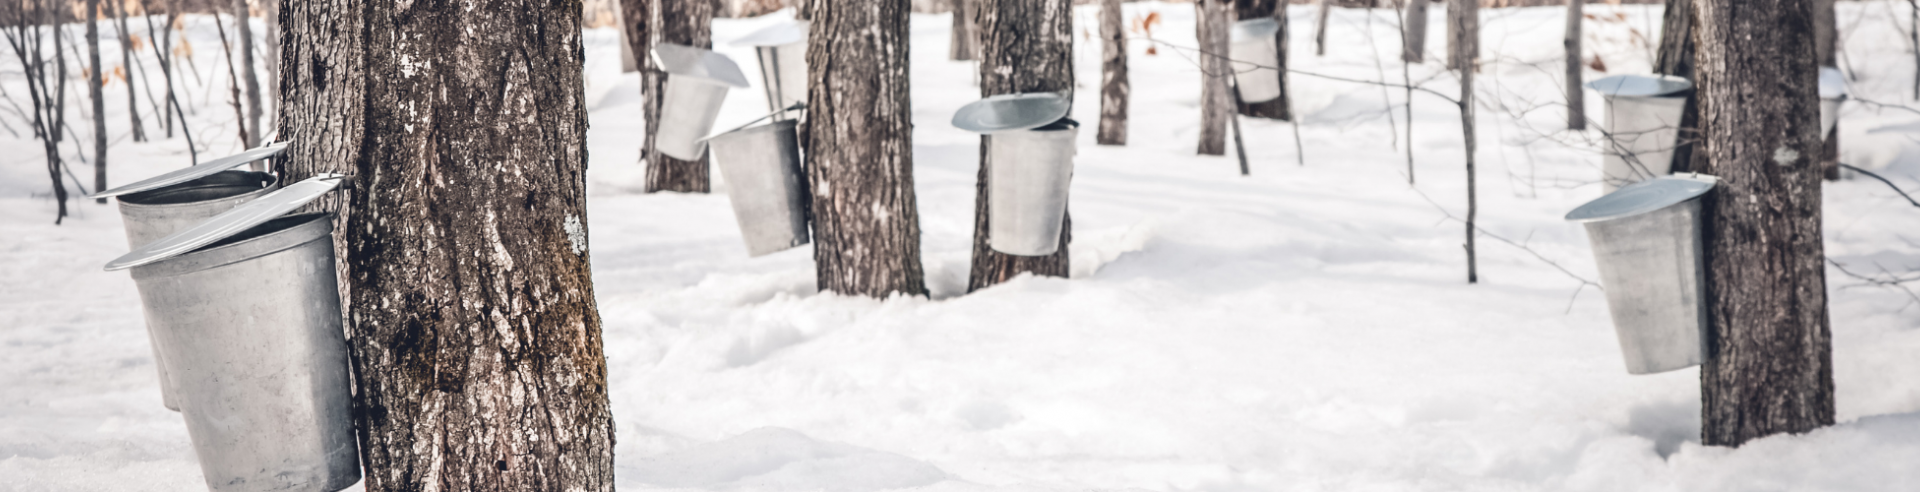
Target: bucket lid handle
(191,173)
(231,222)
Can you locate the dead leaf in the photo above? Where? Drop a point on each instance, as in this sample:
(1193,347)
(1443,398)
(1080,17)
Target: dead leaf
(1597,65)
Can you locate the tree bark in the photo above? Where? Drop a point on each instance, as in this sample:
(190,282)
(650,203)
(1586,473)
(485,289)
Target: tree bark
(1115,92)
(1464,24)
(241,18)
(1414,45)
(684,22)
(94,91)
(1771,366)
(966,31)
(1675,57)
(127,61)
(636,26)
(1277,9)
(476,342)
(866,225)
(1826,36)
(1576,96)
(1026,46)
(1463,34)
(1320,28)
(1216,98)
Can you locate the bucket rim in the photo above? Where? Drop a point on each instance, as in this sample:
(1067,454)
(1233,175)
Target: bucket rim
(679,60)
(1007,112)
(268,183)
(230,223)
(1643,197)
(1640,85)
(273,236)
(191,173)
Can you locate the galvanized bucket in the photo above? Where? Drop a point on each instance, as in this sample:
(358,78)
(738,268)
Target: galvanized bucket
(1646,241)
(156,207)
(1643,126)
(697,83)
(768,189)
(1833,92)
(248,315)
(1256,59)
(1028,175)
(782,52)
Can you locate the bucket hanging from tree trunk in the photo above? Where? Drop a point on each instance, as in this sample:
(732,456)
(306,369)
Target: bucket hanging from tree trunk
(1256,59)
(781,50)
(697,83)
(1646,241)
(1643,126)
(766,186)
(1030,150)
(1833,92)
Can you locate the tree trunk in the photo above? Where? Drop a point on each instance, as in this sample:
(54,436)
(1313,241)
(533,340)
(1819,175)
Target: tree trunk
(636,26)
(242,17)
(476,342)
(1675,57)
(1464,23)
(1115,93)
(684,22)
(1414,45)
(1576,96)
(1771,366)
(966,31)
(270,10)
(1320,29)
(1277,9)
(1216,98)
(94,80)
(866,225)
(1826,48)
(127,61)
(1026,46)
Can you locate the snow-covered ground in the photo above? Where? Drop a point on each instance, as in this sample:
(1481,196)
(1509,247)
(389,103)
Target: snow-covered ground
(1305,328)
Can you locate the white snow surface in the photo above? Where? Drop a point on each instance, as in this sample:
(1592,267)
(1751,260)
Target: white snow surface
(1304,328)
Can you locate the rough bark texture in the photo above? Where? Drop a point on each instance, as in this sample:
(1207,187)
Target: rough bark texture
(476,342)
(1025,46)
(1254,9)
(1771,368)
(1216,96)
(241,20)
(1413,48)
(966,31)
(866,225)
(1675,57)
(1115,92)
(684,22)
(1464,24)
(1576,95)
(94,79)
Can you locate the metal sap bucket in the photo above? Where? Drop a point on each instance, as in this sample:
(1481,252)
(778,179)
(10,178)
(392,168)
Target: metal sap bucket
(782,53)
(768,189)
(1256,59)
(697,83)
(1643,126)
(1030,149)
(1833,92)
(1646,241)
(248,314)
(156,207)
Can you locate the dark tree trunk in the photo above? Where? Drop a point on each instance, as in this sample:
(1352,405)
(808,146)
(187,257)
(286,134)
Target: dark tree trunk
(476,342)
(684,22)
(1771,367)
(1464,23)
(1576,96)
(866,225)
(1115,92)
(242,19)
(966,31)
(1414,46)
(1026,46)
(94,80)
(1675,57)
(1277,9)
(1216,96)
(127,61)
(1320,28)
(1826,36)
(636,24)
(1463,34)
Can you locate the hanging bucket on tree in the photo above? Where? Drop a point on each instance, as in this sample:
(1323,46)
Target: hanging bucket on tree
(156,207)
(1256,59)
(1030,150)
(782,53)
(248,313)
(1643,126)
(1646,241)
(697,83)
(1833,92)
(766,185)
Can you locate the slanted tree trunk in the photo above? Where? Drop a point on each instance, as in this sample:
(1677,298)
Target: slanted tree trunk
(1576,96)
(129,63)
(866,225)
(1026,46)
(1277,9)
(1320,28)
(94,91)
(1771,366)
(1216,96)
(683,22)
(242,18)
(1115,93)
(1675,57)
(1826,37)
(270,10)
(966,31)
(1414,46)
(475,339)
(1464,24)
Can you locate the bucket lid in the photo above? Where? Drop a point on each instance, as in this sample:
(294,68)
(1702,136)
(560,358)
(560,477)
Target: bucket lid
(778,34)
(1012,112)
(231,222)
(1640,85)
(688,61)
(1833,85)
(191,173)
(1262,28)
(1645,196)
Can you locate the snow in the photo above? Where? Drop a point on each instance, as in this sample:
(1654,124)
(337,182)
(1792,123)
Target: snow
(1304,328)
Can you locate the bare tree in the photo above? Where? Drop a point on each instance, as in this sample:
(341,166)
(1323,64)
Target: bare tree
(476,342)
(1279,108)
(1115,92)
(965,44)
(1770,369)
(160,52)
(1576,96)
(866,224)
(1413,44)
(21,25)
(683,22)
(129,64)
(1025,46)
(244,29)
(1216,96)
(233,84)
(1320,28)
(1464,49)
(95,78)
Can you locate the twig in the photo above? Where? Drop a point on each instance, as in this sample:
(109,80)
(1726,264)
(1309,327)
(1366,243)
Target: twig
(1536,255)
(1896,189)
(1892,281)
